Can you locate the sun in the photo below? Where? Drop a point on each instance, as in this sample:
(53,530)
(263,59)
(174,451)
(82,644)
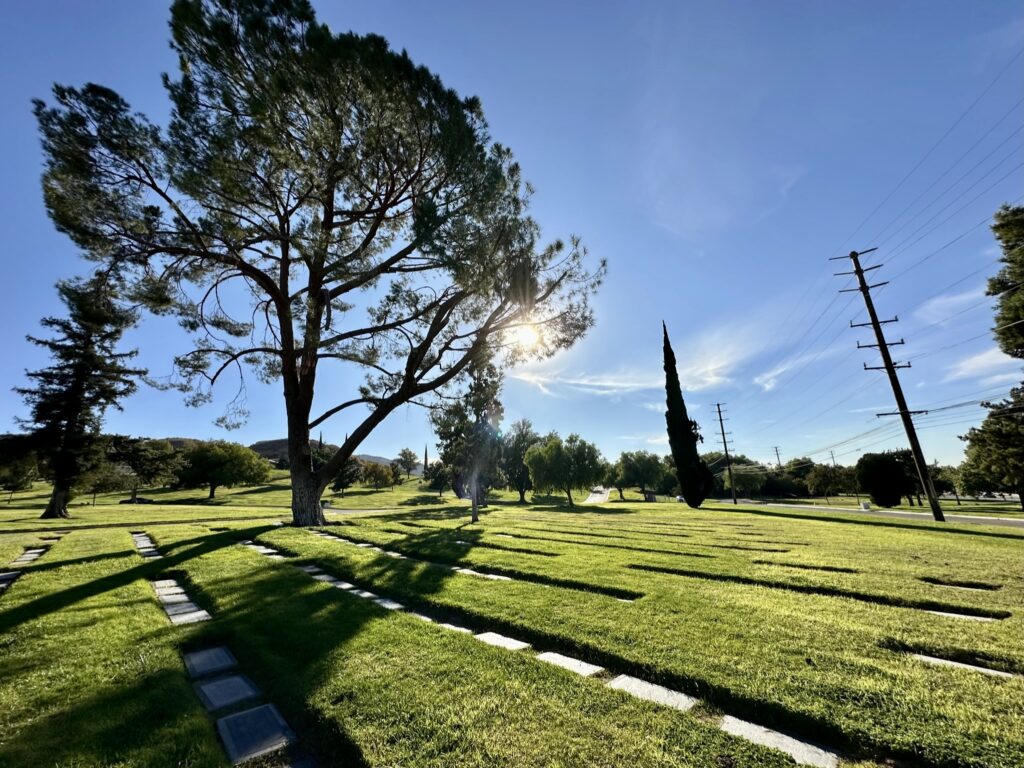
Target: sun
(526,337)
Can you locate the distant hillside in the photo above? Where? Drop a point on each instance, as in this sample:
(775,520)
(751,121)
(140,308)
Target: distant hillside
(275,450)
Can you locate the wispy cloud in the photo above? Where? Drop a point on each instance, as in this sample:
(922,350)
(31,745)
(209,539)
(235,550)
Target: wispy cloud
(707,360)
(770,378)
(610,384)
(990,367)
(942,308)
(652,439)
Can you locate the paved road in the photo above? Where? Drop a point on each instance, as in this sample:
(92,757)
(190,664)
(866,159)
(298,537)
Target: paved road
(597,497)
(1007,522)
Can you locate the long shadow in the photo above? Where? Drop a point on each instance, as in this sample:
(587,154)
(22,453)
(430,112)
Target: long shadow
(11,618)
(961,655)
(606,546)
(438,548)
(283,630)
(425,499)
(440,513)
(263,489)
(146,718)
(806,567)
(825,591)
(881,523)
(416,587)
(591,535)
(145,523)
(486,544)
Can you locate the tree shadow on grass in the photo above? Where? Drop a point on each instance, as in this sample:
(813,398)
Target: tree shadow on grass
(152,719)
(829,591)
(424,499)
(878,522)
(11,618)
(417,586)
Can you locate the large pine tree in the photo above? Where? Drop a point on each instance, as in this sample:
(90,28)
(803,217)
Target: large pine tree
(88,376)
(355,210)
(695,479)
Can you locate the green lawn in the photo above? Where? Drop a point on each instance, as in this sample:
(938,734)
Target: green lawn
(987,507)
(800,621)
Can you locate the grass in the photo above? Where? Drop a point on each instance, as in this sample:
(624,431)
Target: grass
(89,669)
(967,506)
(799,620)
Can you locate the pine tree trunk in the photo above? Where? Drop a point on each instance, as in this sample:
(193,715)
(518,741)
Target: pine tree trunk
(57,508)
(621,496)
(957,496)
(306,492)
(568,494)
(135,494)
(213,488)
(522,495)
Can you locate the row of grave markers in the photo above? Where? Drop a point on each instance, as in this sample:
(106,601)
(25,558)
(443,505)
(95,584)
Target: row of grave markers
(803,752)
(29,556)
(246,734)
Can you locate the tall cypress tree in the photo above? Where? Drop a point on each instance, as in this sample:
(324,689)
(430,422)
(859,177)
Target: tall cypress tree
(68,399)
(695,479)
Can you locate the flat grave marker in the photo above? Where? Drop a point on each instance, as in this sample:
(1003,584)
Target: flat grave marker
(509,643)
(209,661)
(654,693)
(224,692)
(802,752)
(573,665)
(254,732)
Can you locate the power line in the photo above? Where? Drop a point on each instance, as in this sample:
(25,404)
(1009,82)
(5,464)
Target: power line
(970,149)
(935,146)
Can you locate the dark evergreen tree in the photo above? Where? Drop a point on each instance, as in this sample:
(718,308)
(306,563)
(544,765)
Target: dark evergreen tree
(88,376)
(19,466)
(143,463)
(696,481)
(351,472)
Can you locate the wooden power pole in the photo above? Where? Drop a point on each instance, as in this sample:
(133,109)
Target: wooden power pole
(890,368)
(725,447)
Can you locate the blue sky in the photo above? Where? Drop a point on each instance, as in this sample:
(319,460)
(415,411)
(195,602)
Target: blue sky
(717,154)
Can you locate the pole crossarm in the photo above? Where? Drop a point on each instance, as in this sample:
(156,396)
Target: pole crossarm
(890,367)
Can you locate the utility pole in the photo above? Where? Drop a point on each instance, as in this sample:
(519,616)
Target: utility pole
(725,447)
(777,459)
(856,492)
(890,368)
